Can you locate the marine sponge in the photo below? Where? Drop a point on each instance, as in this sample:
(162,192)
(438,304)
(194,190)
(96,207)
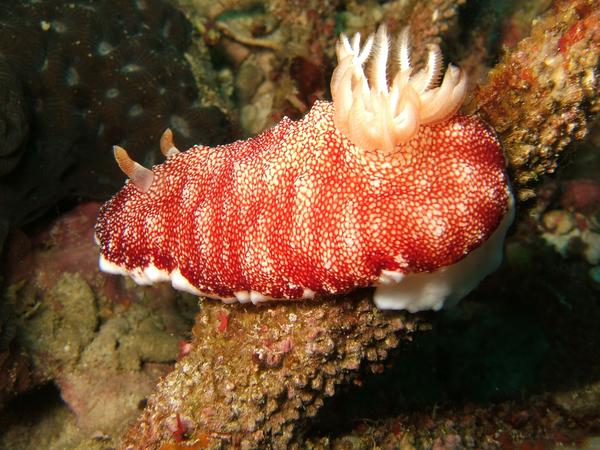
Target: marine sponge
(84,76)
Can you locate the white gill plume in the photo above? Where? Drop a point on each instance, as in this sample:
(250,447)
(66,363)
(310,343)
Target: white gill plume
(375,114)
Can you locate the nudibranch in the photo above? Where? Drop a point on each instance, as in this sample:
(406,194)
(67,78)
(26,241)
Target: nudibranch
(386,186)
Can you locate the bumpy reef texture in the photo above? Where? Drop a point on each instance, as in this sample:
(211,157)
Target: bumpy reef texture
(77,78)
(539,97)
(254,375)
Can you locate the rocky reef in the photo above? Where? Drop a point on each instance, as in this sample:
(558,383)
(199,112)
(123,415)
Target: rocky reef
(76,329)
(280,55)
(515,366)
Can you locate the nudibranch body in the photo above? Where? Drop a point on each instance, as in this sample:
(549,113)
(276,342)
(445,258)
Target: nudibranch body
(386,186)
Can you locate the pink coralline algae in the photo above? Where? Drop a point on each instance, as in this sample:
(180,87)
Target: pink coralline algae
(419,208)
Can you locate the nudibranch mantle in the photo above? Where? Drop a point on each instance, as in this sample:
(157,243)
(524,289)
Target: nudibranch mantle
(302,211)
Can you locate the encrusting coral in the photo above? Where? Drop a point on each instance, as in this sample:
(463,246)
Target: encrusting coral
(538,98)
(236,386)
(253,374)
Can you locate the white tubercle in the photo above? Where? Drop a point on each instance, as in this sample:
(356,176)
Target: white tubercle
(179,282)
(150,274)
(376,114)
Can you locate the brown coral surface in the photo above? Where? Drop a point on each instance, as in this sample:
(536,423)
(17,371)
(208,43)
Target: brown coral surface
(538,98)
(255,374)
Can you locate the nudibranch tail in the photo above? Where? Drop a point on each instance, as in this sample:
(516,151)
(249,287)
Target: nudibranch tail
(140,176)
(376,115)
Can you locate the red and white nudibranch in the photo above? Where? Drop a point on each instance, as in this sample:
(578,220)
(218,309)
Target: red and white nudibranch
(386,186)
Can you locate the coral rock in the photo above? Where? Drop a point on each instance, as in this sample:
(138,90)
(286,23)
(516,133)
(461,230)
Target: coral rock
(540,94)
(254,384)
